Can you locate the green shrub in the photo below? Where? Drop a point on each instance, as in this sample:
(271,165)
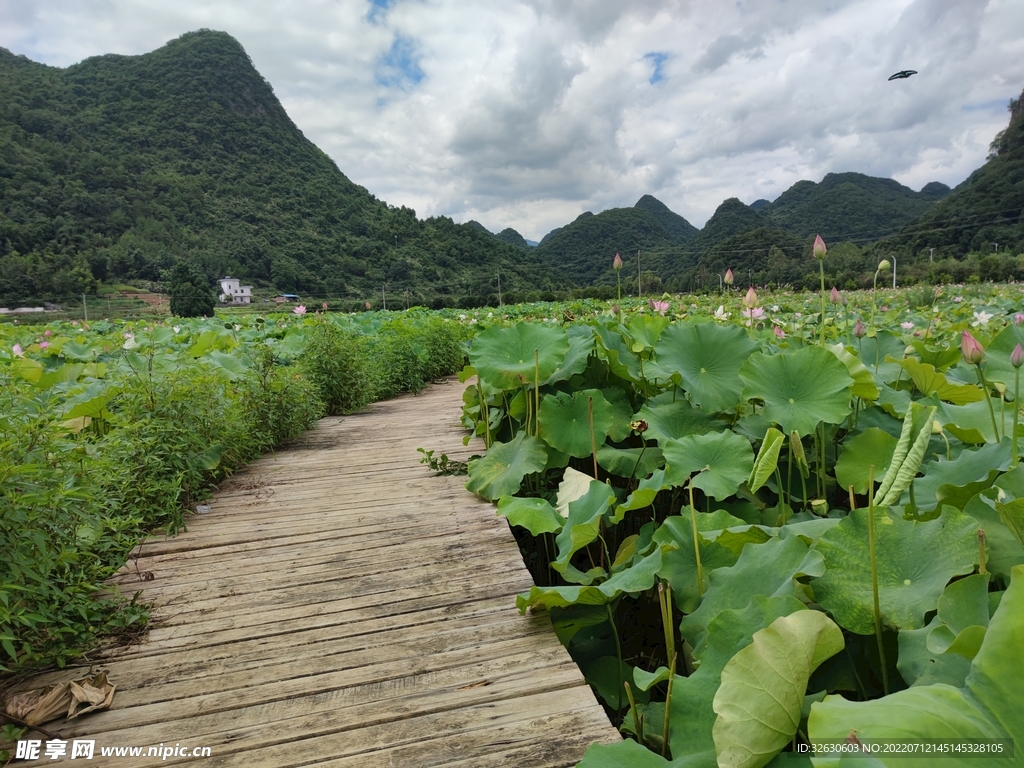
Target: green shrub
(334,360)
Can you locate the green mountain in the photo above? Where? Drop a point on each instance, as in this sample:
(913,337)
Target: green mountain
(850,207)
(510,236)
(983,210)
(119,166)
(585,248)
(731,218)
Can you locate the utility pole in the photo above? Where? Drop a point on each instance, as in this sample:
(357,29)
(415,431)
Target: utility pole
(997,247)
(893,271)
(499,288)
(383,297)
(931,252)
(85,308)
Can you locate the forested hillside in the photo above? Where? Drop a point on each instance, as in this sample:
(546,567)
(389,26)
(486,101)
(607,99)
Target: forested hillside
(117,167)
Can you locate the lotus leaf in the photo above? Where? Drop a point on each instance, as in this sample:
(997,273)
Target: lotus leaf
(692,717)
(768,569)
(565,421)
(760,699)
(919,666)
(988,706)
(915,562)
(535,515)
(930,382)
(505,357)
(1005,548)
(799,388)
(644,495)
(582,526)
(956,482)
(870,447)
(630,462)
(705,359)
(767,459)
(581,344)
(501,471)
(864,385)
(679,566)
(722,461)
(671,420)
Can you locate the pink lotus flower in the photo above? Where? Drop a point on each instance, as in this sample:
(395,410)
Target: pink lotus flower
(906,326)
(661,307)
(859,330)
(728,279)
(819,248)
(44,344)
(367,305)
(750,300)
(752,314)
(836,296)
(17,350)
(971,348)
(299,310)
(779,333)
(617,262)
(1018,318)
(48,333)
(1017,356)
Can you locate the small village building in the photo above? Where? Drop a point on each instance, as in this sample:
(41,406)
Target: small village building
(231,292)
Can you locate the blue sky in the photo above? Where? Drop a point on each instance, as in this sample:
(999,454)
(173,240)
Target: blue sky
(526,113)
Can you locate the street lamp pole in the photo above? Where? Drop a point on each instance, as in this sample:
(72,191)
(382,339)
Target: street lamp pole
(893,271)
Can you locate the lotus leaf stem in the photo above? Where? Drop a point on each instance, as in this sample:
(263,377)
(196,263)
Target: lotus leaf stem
(981,551)
(821,270)
(618,652)
(593,439)
(637,717)
(874,578)
(696,542)
(665,603)
(1016,413)
(536,391)
(985,392)
(668,707)
(486,413)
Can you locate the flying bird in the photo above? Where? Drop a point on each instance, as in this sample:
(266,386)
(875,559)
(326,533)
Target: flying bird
(904,74)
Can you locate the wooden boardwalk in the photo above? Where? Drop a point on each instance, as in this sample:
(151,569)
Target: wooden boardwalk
(341,606)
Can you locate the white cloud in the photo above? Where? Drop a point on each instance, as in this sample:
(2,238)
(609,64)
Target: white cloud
(526,113)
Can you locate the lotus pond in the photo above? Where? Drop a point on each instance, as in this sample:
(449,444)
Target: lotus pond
(755,530)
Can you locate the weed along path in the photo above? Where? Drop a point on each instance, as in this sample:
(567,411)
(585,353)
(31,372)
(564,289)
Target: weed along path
(341,606)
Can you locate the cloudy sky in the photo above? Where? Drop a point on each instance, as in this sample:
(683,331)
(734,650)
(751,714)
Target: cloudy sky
(526,113)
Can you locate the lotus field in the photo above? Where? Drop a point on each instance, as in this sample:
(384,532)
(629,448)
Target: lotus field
(755,530)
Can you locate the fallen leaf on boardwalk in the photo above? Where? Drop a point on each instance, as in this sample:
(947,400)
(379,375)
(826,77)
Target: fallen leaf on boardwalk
(45,704)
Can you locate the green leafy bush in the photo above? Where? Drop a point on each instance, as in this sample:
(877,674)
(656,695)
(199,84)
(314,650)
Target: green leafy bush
(334,360)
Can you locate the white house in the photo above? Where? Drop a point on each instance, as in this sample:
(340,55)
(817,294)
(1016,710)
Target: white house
(233,293)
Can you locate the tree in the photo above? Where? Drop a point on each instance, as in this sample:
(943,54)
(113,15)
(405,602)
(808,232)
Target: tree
(191,295)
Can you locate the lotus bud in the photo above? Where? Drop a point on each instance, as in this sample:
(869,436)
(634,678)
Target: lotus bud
(1017,356)
(617,262)
(909,350)
(884,265)
(729,278)
(836,296)
(859,330)
(750,300)
(819,248)
(999,387)
(936,427)
(796,446)
(639,426)
(971,348)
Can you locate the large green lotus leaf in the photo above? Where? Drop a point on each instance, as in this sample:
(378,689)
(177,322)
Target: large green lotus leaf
(639,577)
(930,382)
(501,471)
(722,461)
(535,515)
(706,359)
(870,447)
(565,421)
(574,485)
(768,569)
(864,384)
(582,526)
(1005,548)
(915,562)
(907,455)
(505,357)
(920,666)
(668,420)
(692,717)
(988,706)
(972,423)
(956,482)
(581,344)
(799,388)
(630,462)
(767,459)
(760,699)
(997,357)
(628,754)
(963,612)
(679,562)
(875,349)
(622,412)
